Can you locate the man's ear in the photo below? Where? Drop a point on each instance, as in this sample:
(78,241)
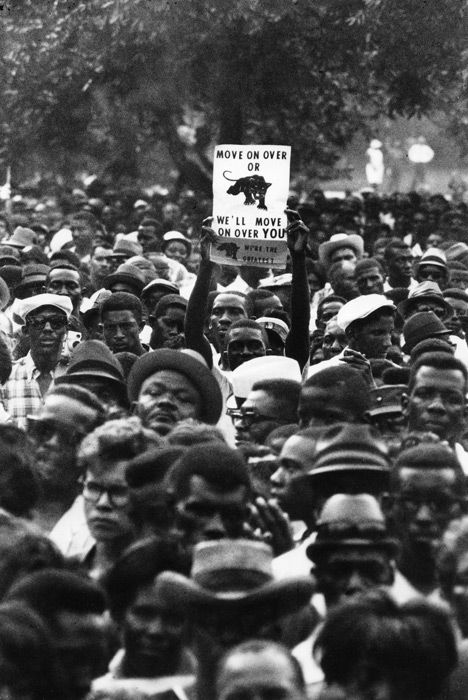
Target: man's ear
(24,329)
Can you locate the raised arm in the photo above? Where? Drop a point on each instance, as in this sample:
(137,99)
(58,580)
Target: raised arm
(297,342)
(196,308)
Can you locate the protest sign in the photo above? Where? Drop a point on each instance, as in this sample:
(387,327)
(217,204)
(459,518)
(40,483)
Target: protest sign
(250,192)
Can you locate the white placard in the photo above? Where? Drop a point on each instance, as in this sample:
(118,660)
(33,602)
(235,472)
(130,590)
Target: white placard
(250,192)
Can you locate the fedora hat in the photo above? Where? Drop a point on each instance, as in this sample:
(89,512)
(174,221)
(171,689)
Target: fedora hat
(179,361)
(233,576)
(420,326)
(435,257)
(22,237)
(340,240)
(159,283)
(424,290)
(126,248)
(92,358)
(129,274)
(351,521)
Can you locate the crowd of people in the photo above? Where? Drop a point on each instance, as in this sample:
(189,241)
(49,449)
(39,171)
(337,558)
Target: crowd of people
(233,483)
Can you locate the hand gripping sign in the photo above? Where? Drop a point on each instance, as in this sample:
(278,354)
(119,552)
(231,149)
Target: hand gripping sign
(250,192)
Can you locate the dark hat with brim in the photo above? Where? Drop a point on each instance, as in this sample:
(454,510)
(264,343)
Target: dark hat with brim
(320,547)
(193,369)
(424,290)
(422,325)
(93,359)
(130,277)
(353,521)
(159,283)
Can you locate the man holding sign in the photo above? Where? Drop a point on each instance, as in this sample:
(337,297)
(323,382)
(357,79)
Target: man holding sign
(236,245)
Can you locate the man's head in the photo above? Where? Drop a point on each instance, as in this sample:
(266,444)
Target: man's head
(151,634)
(66,416)
(72,606)
(167,322)
(169,386)
(426,296)
(341,248)
(367,649)
(244,340)
(102,458)
(458,300)
(296,457)
(427,492)
(341,276)
(399,263)
(369,276)
(150,233)
(210,489)
(65,280)
(228,308)
(332,395)
(46,321)
(122,321)
(352,552)
(100,264)
(263,300)
(328,308)
(83,226)
(368,322)
(435,400)
(270,403)
(94,367)
(259,670)
(334,340)
(433,267)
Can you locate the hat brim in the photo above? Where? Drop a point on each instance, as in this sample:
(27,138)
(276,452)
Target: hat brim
(435,334)
(74,377)
(316,548)
(390,410)
(194,370)
(405,305)
(354,241)
(284,596)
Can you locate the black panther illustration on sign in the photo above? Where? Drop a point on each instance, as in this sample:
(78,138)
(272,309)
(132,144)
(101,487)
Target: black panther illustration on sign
(253,187)
(229,248)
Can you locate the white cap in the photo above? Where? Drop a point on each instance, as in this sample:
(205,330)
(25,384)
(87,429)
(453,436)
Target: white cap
(284,280)
(59,239)
(60,302)
(271,367)
(361,307)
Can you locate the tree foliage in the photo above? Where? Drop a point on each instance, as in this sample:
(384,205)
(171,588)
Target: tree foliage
(107,77)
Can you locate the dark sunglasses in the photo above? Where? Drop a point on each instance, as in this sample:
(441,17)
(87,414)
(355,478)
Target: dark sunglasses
(55,322)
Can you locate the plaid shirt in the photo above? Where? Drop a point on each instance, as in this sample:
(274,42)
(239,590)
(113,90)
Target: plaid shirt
(21,395)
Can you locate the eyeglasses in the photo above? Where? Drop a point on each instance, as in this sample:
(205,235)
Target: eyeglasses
(437,504)
(117,495)
(55,322)
(42,430)
(250,415)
